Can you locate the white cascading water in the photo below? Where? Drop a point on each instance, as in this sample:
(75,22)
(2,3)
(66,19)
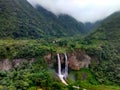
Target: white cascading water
(66,66)
(59,65)
(61,76)
(65,74)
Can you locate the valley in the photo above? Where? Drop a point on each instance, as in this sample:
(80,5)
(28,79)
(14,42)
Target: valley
(42,51)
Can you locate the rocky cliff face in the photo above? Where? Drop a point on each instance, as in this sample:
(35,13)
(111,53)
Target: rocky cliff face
(79,59)
(76,60)
(6,64)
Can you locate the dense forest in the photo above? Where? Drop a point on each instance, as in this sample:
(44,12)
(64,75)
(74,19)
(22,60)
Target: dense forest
(28,34)
(19,19)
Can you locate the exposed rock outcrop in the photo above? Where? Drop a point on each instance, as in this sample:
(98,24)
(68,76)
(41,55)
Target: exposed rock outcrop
(76,60)
(48,58)
(6,64)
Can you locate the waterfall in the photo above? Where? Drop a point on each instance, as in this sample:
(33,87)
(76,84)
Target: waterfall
(59,65)
(65,74)
(66,66)
(61,76)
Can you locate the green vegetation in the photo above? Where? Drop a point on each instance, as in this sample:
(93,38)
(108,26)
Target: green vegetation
(21,49)
(29,77)
(27,32)
(37,75)
(86,79)
(18,19)
(107,72)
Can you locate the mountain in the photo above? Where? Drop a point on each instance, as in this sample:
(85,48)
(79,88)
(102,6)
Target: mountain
(90,26)
(109,29)
(106,38)
(18,19)
(63,24)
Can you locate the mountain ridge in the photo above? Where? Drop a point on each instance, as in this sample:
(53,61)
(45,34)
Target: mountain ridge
(106,39)
(19,19)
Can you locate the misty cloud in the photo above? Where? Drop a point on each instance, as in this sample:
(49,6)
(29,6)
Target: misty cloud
(82,10)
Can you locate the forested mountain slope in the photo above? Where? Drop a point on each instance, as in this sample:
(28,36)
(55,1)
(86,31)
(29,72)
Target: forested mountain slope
(18,19)
(107,38)
(109,29)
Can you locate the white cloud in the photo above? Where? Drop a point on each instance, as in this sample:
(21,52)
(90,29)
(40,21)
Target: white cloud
(82,10)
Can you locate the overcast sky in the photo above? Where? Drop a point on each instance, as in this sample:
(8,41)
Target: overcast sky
(82,10)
